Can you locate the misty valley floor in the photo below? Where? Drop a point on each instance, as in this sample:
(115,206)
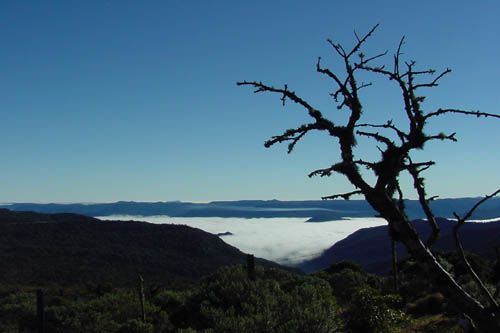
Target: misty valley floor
(287,241)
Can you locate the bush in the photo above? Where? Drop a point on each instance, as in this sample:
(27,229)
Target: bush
(341,265)
(113,312)
(18,312)
(429,304)
(346,282)
(276,301)
(135,326)
(371,312)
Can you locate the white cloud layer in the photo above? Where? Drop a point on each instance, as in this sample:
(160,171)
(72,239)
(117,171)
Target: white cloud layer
(287,241)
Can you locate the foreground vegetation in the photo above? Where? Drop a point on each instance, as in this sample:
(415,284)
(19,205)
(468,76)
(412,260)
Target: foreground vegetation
(89,271)
(342,298)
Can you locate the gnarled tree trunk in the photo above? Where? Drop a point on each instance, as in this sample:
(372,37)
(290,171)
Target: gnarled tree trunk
(398,141)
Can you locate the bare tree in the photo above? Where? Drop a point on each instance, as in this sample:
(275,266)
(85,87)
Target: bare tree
(397,143)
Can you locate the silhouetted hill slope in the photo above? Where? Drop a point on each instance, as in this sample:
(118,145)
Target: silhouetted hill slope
(71,249)
(316,210)
(14,217)
(370,247)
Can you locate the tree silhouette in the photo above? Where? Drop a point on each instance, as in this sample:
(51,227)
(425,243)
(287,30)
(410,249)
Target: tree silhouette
(396,144)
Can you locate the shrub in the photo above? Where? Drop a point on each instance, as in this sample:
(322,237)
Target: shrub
(276,302)
(371,312)
(429,304)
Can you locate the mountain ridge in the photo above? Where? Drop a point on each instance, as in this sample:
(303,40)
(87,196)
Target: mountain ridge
(314,210)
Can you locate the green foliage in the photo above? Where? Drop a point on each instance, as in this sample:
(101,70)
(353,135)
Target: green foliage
(135,326)
(175,307)
(341,265)
(117,311)
(345,283)
(372,312)
(276,302)
(18,309)
(367,307)
(416,287)
(481,266)
(113,312)
(428,304)
(345,278)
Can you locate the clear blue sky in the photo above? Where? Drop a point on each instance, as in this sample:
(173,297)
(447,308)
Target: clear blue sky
(136,100)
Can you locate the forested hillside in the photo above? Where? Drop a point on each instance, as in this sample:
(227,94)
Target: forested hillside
(68,249)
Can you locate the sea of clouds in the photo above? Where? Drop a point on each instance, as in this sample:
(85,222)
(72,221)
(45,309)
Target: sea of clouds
(287,241)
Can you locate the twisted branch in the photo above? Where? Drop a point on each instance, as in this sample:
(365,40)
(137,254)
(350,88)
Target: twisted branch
(418,183)
(321,121)
(345,196)
(458,243)
(293,135)
(470,113)
(389,125)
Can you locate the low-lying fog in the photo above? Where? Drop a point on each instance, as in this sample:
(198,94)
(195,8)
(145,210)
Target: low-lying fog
(287,241)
